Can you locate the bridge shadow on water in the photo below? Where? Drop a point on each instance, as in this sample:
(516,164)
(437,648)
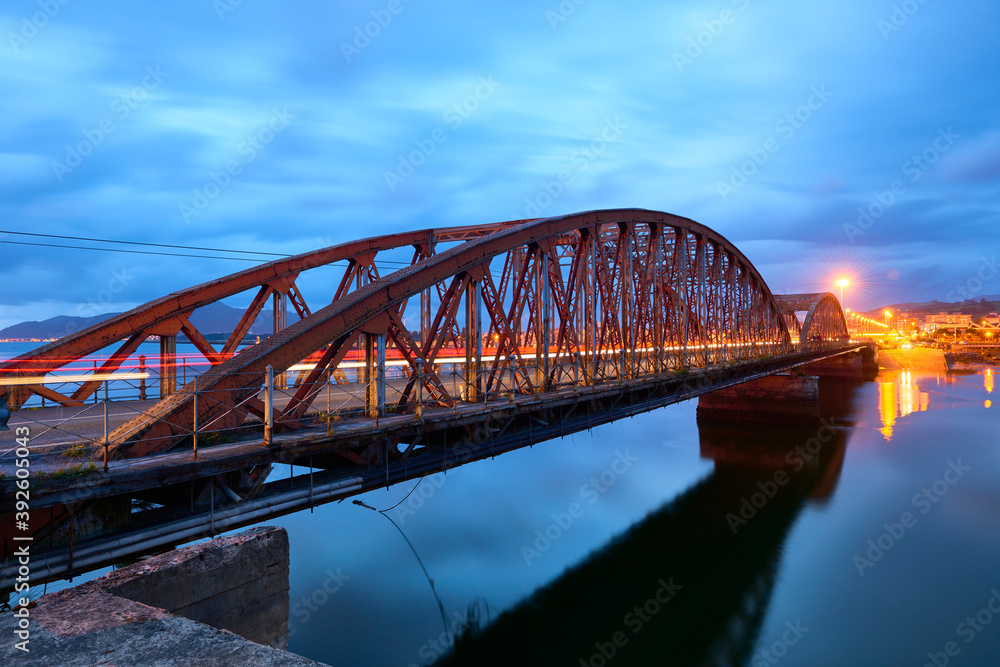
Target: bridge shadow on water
(691,582)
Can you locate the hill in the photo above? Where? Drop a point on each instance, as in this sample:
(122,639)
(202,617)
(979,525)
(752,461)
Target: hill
(215,318)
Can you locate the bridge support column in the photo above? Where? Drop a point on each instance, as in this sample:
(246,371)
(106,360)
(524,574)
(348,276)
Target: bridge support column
(473,343)
(168,365)
(374,374)
(280,315)
(777,398)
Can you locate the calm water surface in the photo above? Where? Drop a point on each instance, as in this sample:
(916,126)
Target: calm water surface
(552,548)
(653,541)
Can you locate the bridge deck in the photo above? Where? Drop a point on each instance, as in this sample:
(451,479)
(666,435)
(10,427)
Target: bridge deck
(443,438)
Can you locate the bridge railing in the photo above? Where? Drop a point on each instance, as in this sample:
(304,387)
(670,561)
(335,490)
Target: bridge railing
(346,394)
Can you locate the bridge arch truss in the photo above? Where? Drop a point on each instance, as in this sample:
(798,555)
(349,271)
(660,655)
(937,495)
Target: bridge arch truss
(520,308)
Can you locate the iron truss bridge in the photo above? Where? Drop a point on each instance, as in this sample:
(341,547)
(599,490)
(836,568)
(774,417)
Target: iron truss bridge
(488,339)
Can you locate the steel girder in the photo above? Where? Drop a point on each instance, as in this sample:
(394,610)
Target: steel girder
(591,297)
(168,315)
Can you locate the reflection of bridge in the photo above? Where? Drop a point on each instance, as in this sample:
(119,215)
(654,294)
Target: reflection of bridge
(610,604)
(528,330)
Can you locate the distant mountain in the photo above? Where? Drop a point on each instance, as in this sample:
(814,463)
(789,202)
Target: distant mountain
(54,327)
(215,318)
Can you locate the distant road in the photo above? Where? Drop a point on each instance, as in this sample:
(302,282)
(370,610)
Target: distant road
(916,359)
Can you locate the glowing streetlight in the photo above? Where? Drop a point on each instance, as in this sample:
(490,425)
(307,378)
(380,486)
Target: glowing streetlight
(842,283)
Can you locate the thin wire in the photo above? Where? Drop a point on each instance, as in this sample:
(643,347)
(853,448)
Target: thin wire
(444,620)
(156,245)
(389,509)
(129,252)
(166,254)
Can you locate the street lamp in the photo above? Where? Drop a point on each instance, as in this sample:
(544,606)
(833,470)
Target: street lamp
(842,283)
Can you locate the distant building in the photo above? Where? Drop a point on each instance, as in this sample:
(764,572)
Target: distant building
(953,321)
(992,320)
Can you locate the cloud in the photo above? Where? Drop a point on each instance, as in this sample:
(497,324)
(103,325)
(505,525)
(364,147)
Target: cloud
(324,177)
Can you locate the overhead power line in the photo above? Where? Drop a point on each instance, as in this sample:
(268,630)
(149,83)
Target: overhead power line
(154,245)
(129,252)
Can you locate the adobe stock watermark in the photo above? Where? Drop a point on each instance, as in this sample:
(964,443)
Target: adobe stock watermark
(988,270)
(915,167)
(704,39)
(768,489)
(898,17)
(31,25)
(581,159)
(248,149)
(590,492)
(370,30)
(308,605)
(779,649)
(97,304)
(121,108)
(635,620)
(223,7)
(967,630)
(455,116)
(562,13)
(785,128)
(923,501)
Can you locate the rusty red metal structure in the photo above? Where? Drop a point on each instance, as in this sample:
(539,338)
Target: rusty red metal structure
(521,331)
(526,306)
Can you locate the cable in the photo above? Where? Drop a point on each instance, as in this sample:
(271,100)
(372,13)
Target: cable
(444,620)
(389,509)
(166,254)
(129,252)
(156,245)
(162,245)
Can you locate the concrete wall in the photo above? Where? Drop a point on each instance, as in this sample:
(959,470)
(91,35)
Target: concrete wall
(173,609)
(237,583)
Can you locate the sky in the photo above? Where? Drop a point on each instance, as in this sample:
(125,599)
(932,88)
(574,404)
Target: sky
(855,138)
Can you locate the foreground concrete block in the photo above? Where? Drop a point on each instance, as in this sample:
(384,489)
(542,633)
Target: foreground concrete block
(178,608)
(237,583)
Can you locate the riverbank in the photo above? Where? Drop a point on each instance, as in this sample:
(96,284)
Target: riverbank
(969,361)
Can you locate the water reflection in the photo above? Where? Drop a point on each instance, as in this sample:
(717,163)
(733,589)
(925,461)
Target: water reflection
(690,583)
(899,396)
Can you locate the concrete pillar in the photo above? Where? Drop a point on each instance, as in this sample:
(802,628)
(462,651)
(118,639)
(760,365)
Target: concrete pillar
(844,365)
(776,398)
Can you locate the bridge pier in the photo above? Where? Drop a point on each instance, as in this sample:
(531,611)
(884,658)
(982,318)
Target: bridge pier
(776,398)
(852,365)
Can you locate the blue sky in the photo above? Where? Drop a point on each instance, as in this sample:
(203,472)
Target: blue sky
(771,122)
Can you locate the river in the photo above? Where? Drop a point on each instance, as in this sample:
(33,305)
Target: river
(874,540)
